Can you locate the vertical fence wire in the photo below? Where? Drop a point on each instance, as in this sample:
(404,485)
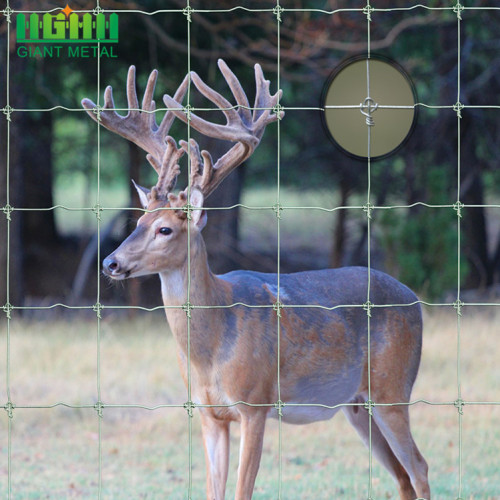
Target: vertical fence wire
(97,211)
(99,406)
(367,11)
(189,404)
(278,12)
(459,351)
(9,406)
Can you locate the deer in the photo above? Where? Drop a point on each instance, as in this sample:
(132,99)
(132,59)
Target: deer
(298,347)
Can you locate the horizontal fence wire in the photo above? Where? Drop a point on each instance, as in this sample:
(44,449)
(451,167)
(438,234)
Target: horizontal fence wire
(456,206)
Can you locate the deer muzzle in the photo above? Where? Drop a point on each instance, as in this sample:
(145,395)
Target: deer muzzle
(111,267)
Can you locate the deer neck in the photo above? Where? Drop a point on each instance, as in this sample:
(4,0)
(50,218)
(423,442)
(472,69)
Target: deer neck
(203,289)
(193,277)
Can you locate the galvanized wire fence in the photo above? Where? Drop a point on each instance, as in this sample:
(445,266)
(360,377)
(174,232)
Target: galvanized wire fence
(277,11)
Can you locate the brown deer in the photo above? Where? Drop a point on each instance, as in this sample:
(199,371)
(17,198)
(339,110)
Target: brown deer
(337,350)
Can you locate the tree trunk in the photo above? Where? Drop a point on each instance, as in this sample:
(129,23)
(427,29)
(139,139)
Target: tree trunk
(3,181)
(339,231)
(11,251)
(39,235)
(33,266)
(136,157)
(221,234)
(474,220)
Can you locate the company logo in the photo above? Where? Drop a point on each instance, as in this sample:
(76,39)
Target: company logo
(66,27)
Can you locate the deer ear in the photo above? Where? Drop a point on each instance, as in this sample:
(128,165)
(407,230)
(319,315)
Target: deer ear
(198,217)
(143,194)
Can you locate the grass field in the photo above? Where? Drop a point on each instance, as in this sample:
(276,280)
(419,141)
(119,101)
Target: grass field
(144,453)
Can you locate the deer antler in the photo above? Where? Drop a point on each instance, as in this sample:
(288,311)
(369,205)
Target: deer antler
(242,127)
(139,126)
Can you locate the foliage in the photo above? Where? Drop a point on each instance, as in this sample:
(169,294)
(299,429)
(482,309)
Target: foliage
(423,41)
(75,152)
(422,248)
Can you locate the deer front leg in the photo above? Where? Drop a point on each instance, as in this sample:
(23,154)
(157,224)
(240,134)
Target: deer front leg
(216,441)
(253,422)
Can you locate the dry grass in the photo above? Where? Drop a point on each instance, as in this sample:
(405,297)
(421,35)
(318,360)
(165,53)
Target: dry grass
(55,452)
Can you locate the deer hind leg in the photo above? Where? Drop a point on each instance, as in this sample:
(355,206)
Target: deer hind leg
(359,419)
(394,423)
(216,442)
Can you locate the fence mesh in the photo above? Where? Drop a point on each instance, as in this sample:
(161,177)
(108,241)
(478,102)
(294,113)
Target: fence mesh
(278,11)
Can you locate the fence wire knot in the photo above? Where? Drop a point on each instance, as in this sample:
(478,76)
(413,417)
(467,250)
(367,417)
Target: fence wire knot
(279,111)
(368,210)
(277,11)
(97,308)
(277,307)
(459,405)
(188,109)
(7,309)
(367,108)
(457,9)
(97,110)
(187,11)
(277,209)
(189,407)
(457,107)
(187,308)
(458,208)
(7,111)
(279,405)
(7,12)
(98,10)
(369,405)
(98,407)
(97,209)
(188,209)
(9,408)
(457,305)
(367,11)
(368,306)
(7,210)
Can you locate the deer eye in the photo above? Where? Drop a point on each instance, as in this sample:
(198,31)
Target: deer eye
(165,231)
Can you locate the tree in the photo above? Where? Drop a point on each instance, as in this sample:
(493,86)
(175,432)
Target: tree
(311,44)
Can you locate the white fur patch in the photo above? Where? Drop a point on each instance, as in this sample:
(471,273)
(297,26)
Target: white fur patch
(273,289)
(172,286)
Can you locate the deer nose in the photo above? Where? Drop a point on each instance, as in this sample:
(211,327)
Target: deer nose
(110,265)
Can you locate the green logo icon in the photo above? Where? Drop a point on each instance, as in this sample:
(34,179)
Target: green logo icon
(67,27)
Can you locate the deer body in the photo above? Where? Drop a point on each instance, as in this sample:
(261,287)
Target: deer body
(333,352)
(238,340)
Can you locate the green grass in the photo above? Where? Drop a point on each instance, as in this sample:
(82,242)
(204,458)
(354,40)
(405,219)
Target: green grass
(55,451)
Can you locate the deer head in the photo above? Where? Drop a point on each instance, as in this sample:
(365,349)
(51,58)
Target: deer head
(159,242)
